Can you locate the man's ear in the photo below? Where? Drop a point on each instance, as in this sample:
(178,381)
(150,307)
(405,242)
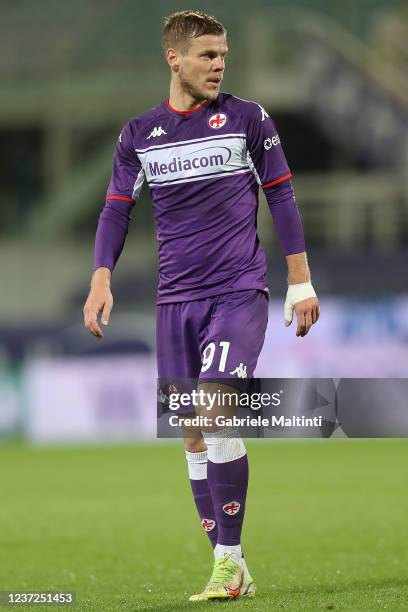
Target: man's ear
(173,59)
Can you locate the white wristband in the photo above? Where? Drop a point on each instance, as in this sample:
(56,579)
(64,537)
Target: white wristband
(295,294)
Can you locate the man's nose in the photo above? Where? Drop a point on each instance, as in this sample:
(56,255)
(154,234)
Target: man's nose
(218,64)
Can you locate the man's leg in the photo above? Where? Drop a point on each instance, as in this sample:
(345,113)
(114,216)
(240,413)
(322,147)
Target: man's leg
(227,477)
(230,351)
(179,360)
(196,455)
(195,326)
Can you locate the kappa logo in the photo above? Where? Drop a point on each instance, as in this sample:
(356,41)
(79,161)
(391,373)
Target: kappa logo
(164,394)
(240,371)
(217,121)
(231,508)
(264,114)
(157,131)
(208,524)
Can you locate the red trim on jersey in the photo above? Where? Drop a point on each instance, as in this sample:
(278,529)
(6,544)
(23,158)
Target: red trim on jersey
(185,113)
(115,197)
(279,180)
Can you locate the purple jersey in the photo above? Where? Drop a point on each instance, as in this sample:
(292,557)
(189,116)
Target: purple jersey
(204,169)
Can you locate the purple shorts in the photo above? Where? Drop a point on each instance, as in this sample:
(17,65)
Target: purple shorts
(213,338)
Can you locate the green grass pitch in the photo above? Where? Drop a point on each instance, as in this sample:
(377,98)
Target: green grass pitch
(326,526)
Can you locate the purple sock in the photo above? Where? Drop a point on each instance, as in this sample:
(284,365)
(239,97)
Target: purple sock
(228,483)
(203,501)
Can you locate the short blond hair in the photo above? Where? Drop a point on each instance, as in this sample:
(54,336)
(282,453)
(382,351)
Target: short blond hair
(181,27)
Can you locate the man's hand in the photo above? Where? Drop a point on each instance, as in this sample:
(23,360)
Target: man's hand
(302,298)
(100,299)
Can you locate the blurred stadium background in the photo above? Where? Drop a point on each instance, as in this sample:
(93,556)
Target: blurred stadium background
(334,77)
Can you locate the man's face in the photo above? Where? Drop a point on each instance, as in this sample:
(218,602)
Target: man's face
(201,67)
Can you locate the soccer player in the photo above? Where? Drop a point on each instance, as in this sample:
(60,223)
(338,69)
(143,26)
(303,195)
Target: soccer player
(204,155)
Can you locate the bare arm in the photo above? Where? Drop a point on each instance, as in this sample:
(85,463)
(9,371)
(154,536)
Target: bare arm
(298,269)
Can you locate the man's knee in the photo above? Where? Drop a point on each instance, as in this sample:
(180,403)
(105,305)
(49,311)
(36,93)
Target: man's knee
(216,400)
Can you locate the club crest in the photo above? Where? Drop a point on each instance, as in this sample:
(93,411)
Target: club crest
(208,524)
(231,508)
(217,121)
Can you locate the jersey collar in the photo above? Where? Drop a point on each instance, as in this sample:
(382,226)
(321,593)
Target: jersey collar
(185,113)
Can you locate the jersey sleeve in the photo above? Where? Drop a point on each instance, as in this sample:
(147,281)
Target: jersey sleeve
(264,149)
(127,174)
